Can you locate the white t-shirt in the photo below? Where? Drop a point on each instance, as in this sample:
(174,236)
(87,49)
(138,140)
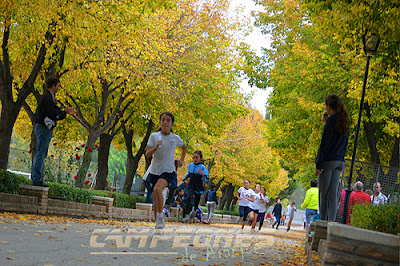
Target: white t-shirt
(290,211)
(255,205)
(263,205)
(380,199)
(248,193)
(164,157)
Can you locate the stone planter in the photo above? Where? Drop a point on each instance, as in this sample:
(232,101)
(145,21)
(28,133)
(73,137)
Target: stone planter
(349,245)
(103,201)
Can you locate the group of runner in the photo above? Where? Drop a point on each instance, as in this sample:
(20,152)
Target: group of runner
(252,203)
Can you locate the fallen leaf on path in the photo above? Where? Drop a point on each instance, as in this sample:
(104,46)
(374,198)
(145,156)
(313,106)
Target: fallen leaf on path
(4,242)
(10,258)
(80,260)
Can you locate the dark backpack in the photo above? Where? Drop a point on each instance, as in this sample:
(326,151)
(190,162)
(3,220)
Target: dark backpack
(210,196)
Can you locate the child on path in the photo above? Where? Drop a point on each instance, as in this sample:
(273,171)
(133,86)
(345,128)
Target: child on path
(245,195)
(161,146)
(199,215)
(263,208)
(212,202)
(196,172)
(178,204)
(290,214)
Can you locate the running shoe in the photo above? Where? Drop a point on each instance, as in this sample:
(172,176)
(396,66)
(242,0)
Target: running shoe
(160,224)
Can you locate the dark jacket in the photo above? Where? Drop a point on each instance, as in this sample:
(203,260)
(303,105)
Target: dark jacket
(277,212)
(333,145)
(213,197)
(47,107)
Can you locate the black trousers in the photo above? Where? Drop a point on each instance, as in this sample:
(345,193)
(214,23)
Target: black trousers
(189,200)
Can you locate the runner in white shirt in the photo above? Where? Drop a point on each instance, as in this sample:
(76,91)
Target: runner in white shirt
(255,206)
(245,196)
(263,208)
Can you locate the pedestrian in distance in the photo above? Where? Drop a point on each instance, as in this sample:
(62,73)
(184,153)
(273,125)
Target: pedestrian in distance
(311,201)
(161,146)
(197,173)
(277,212)
(47,114)
(212,202)
(290,214)
(330,158)
(245,195)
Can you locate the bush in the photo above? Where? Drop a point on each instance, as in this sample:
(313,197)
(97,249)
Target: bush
(9,182)
(234,212)
(383,218)
(71,193)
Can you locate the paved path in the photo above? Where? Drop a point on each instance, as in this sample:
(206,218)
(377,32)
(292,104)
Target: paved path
(42,240)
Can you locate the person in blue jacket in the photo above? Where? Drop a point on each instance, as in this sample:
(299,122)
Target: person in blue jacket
(197,173)
(330,159)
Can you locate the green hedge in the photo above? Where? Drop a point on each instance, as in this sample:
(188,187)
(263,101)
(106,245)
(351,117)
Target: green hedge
(234,212)
(82,195)
(9,182)
(383,218)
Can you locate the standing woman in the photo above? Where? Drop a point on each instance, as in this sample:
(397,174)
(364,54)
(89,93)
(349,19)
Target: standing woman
(212,202)
(330,159)
(162,171)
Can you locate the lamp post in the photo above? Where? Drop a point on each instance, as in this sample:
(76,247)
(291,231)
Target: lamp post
(370,42)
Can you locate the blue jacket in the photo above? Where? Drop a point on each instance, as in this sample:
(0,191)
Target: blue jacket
(333,145)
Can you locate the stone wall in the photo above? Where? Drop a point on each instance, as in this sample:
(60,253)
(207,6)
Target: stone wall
(339,244)
(34,199)
(349,245)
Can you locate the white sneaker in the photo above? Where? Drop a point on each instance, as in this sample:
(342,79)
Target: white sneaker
(185,220)
(160,224)
(191,215)
(238,220)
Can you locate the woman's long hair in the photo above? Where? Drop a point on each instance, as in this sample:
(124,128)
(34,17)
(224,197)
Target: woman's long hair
(343,119)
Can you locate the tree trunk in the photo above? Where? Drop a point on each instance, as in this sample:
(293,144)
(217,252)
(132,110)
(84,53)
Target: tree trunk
(230,197)
(33,145)
(233,204)
(391,177)
(86,160)
(132,163)
(369,131)
(103,155)
(9,114)
(10,108)
(226,191)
